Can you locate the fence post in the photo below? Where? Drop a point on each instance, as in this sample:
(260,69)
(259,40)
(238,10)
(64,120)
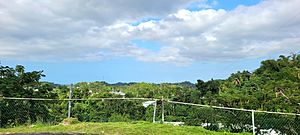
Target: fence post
(1,107)
(162,110)
(154,112)
(253,124)
(0,116)
(70,97)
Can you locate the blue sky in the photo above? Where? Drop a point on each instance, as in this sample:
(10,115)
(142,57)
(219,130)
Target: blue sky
(129,70)
(223,4)
(181,41)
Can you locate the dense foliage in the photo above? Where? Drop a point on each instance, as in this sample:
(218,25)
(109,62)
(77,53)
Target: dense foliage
(274,86)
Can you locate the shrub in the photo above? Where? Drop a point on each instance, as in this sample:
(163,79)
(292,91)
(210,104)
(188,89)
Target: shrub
(119,118)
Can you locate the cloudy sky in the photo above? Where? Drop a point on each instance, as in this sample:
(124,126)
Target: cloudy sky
(145,40)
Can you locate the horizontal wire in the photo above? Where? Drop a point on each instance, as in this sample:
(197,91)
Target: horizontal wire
(228,108)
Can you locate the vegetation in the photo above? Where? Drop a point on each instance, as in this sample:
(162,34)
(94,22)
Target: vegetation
(69,121)
(120,128)
(274,86)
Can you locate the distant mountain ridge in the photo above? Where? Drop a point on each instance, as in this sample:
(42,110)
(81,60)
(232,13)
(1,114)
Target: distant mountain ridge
(184,84)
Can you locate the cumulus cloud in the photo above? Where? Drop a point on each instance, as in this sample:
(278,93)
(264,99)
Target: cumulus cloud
(98,30)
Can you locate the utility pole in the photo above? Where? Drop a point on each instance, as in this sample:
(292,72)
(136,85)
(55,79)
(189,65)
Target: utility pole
(70,97)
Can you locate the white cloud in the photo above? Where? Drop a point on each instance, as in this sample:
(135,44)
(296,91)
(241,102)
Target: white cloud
(97,30)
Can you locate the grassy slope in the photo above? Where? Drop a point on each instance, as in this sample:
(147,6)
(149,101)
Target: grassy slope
(118,128)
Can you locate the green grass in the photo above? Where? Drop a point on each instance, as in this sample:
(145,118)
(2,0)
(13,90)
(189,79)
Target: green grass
(117,128)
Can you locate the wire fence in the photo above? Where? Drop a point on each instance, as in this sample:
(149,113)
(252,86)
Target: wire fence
(22,111)
(234,119)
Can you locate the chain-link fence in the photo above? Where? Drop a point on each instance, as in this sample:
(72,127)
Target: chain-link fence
(233,119)
(274,123)
(20,111)
(209,118)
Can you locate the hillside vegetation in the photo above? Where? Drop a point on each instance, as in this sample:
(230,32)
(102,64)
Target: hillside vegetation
(274,86)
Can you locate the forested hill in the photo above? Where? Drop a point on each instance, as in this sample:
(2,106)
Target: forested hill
(274,86)
(185,84)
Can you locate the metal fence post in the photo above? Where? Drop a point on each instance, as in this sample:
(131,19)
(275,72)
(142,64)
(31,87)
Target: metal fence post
(253,124)
(1,107)
(70,97)
(0,116)
(163,110)
(154,112)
